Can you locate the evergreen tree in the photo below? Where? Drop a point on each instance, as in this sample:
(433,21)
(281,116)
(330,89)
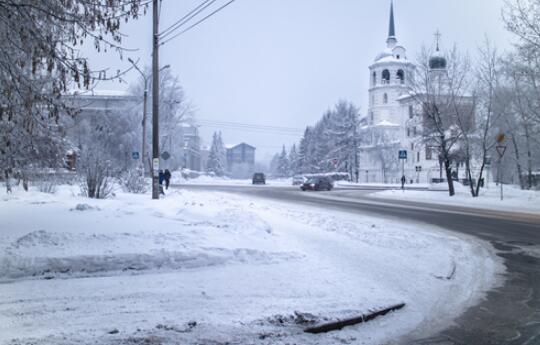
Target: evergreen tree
(330,145)
(283,164)
(216,157)
(293,161)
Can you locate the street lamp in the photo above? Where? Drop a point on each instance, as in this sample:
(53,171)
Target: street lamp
(145,112)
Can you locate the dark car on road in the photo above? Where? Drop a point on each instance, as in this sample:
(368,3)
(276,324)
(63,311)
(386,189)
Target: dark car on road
(258,178)
(317,183)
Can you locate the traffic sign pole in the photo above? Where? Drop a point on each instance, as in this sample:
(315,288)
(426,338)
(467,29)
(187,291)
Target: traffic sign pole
(402,156)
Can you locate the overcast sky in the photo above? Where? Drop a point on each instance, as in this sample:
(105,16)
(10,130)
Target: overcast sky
(284,62)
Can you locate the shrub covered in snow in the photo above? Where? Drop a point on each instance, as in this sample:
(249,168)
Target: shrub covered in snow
(133,181)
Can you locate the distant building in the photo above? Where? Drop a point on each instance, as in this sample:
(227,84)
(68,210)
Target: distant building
(183,147)
(241,160)
(90,103)
(190,151)
(205,152)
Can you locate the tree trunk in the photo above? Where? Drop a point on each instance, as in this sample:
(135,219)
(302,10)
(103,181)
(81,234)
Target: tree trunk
(529,158)
(448,169)
(518,162)
(479,183)
(474,191)
(8,183)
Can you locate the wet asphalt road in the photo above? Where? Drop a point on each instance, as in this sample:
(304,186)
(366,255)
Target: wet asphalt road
(510,315)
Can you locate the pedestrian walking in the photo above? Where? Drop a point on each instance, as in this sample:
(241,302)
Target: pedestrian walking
(403,179)
(167,176)
(161,179)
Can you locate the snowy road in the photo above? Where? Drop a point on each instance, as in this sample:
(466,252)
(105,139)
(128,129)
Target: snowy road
(510,314)
(212,268)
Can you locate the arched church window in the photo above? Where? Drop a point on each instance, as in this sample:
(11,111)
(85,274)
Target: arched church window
(401,76)
(385,98)
(411,112)
(374,78)
(386,77)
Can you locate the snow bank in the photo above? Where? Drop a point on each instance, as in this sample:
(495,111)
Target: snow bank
(515,199)
(213,268)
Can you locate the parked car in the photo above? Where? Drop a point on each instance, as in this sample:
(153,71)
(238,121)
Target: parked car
(298,180)
(258,178)
(317,183)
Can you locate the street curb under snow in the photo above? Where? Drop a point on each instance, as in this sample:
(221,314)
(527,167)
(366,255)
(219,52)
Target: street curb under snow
(337,325)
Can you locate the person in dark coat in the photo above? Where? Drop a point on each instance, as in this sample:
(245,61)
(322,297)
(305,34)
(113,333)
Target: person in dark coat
(167,176)
(403,182)
(161,176)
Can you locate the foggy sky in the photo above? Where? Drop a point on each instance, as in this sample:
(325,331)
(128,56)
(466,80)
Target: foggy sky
(284,62)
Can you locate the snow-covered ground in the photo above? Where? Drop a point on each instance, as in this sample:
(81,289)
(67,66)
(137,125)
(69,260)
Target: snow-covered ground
(214,268)
(515,199)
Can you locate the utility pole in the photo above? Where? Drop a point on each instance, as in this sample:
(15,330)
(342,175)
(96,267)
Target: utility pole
(155,100)
(145,115)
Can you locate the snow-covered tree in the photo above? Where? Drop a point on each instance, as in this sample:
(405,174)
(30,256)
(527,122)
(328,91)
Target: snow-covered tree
(40,61)
(294,161)
(283,167)
(332,144)
(447,107)
(174,111)
(104,143)
(217,160)
(522,71)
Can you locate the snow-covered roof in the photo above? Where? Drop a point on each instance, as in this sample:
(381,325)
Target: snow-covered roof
(233,146)
(385,123)
(406,96)
(96,92)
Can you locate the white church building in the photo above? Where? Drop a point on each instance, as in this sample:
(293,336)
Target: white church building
(394,119)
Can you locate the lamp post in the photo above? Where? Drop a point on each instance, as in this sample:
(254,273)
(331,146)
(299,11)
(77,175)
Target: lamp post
(145,109)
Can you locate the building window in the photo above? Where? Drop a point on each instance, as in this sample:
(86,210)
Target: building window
(386,77)
(401,76)
(429,153)
(414,131)
(418,156)
(408,132)
(385,98)
(411,113)
(372,117)
(374,78)
(412,146)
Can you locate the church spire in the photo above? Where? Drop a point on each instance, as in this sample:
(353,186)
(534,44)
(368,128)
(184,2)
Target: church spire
(391,41)
(392,28)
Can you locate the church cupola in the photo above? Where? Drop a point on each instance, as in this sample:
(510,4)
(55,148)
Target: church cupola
(437,62)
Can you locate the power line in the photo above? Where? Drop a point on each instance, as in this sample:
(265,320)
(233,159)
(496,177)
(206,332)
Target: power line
(197,23)
(254,129)
(251,129)
(251,125)
(180,22)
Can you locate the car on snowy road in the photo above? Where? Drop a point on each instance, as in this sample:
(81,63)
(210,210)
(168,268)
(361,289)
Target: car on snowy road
(317,184)
(258,178)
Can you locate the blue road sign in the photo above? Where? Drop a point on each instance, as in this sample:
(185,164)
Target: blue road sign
(135,155)
(402,154)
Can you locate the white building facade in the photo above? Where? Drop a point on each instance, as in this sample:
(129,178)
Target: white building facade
(393,121)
